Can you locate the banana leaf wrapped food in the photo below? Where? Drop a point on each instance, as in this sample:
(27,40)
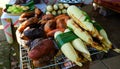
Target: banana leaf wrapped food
(91,29)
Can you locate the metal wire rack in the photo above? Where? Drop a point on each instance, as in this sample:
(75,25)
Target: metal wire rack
(24,60)
(59,62)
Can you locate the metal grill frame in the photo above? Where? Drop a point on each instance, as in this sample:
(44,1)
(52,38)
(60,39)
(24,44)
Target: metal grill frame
(25,62)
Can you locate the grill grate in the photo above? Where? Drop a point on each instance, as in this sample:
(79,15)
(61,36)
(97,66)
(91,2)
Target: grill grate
(59,62)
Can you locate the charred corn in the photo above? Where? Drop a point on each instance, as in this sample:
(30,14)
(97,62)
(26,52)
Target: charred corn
(69,51)
(82,20)
(83,35)
(79,45)
(105,40)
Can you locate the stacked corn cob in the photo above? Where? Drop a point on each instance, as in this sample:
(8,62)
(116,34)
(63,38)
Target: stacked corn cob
(87,29)
(81,33)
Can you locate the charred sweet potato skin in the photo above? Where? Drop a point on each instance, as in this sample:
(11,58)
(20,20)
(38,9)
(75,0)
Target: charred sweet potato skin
(26,15)
(58,23)
(33,33)
(42,49)
(28,22)
(50,25)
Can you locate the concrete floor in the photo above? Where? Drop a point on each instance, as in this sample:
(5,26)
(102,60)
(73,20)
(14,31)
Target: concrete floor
(110,60)
(110,63)
(8,54)
(4,51)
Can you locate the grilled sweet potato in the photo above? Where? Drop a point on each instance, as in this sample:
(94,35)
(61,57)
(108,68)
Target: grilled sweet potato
(24,16)
(42,49)
(32,33)
(26,23)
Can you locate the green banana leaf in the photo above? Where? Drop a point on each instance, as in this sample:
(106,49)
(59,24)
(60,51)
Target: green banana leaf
(31,5)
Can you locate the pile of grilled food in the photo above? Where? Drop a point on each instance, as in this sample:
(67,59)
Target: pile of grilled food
(73,32)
